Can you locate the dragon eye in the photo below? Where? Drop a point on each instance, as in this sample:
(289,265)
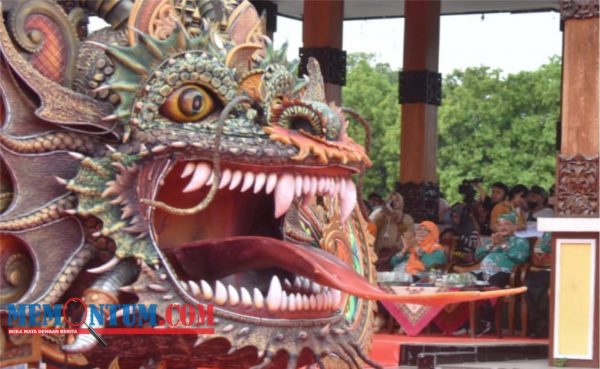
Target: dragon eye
(188,103)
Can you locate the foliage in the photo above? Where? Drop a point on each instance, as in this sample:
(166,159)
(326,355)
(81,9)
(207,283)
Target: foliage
(502,129)
(372,90)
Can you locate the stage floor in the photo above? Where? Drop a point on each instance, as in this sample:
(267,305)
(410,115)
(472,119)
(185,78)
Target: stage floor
(386,348)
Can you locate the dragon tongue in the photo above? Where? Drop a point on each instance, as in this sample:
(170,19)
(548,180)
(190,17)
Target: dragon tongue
(239,254)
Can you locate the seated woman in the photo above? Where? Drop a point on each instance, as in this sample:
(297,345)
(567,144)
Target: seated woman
(498,258)
(503,251)
(420,251)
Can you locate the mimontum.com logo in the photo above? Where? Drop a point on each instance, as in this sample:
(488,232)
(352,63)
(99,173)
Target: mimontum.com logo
(99,319)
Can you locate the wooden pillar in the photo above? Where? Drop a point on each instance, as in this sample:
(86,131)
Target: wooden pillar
(322,35)
(576,257)
(420,95)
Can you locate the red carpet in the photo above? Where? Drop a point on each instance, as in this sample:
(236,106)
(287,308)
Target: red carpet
(386,347)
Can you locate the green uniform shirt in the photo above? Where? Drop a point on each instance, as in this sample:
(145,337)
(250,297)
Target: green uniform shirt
(504,260)
(435,258)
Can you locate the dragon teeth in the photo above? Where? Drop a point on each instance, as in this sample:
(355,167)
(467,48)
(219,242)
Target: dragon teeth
(195,289)
(285,186)
(207,291)
(275,294)
(284,194)
(202,172)
(259,182)
(258,299)
(234,297)
(248,181)
(246,298)
(188,170)
(220,293)
(347,199)
(236,178)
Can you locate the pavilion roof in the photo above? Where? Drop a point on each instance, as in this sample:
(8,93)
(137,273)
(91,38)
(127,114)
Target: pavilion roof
(368,9)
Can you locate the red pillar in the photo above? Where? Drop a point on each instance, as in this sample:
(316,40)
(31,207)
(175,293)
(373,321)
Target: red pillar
(420,94)
(574,327)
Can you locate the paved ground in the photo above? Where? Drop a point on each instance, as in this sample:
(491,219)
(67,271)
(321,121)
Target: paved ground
(527,364)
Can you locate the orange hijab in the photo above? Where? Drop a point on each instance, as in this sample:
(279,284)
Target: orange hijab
(428,244)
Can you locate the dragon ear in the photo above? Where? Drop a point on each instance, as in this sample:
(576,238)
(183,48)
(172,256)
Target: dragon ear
(316,87)
(244,24)
(58,105)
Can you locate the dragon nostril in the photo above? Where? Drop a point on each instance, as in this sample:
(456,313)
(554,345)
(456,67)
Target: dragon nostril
(301,123)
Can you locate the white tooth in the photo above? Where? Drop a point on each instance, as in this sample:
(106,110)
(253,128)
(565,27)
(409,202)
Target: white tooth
(246,299)
(225,178)
(326,300)
(259,300)
(313,186)
(305,284)
(297,283)
(271,182)
(188,170)
(321,185)
(236,178)
(336,296)
(201,174)
(292,302)
(220,293)
(348,200)
(184,285)
(312,301)
(248,181)
(234,297)
(298,187)
(195,289)
(305,184)
(259,182)
(330,186)
(337,185)
(287,284)
(209,181)
(284,194)
(320,302)
(207,291)
(342,186)
(283,302)
(274,295)
(315,287)
(305,302)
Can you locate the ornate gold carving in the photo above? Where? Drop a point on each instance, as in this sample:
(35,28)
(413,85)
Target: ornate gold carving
(162,20)
(578,9)
(577,186)
(16,268)
(42,29)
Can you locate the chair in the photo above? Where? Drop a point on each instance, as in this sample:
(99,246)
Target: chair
(508,300)
(533,265)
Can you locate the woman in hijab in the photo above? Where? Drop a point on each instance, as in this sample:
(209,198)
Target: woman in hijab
(421,251)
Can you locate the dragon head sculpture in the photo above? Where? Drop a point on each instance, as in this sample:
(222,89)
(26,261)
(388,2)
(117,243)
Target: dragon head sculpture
(182,161)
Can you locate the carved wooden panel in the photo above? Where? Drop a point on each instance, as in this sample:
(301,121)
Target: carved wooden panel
(421,200)
(578,9)
(577,186)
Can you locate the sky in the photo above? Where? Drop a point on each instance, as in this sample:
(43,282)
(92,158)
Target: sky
(510,42)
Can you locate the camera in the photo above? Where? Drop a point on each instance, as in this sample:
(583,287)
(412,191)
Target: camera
(467,191)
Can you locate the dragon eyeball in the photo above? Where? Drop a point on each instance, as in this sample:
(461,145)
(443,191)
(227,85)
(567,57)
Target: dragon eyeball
(188,103)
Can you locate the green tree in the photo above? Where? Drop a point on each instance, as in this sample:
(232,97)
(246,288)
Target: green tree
(499,128)
(372,90)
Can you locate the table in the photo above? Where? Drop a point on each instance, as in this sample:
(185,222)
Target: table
(414,318)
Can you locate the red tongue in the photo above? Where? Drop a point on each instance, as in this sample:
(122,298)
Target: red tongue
(237,254)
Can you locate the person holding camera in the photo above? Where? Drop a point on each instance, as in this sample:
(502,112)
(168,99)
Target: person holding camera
(391,222)
(421,251)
